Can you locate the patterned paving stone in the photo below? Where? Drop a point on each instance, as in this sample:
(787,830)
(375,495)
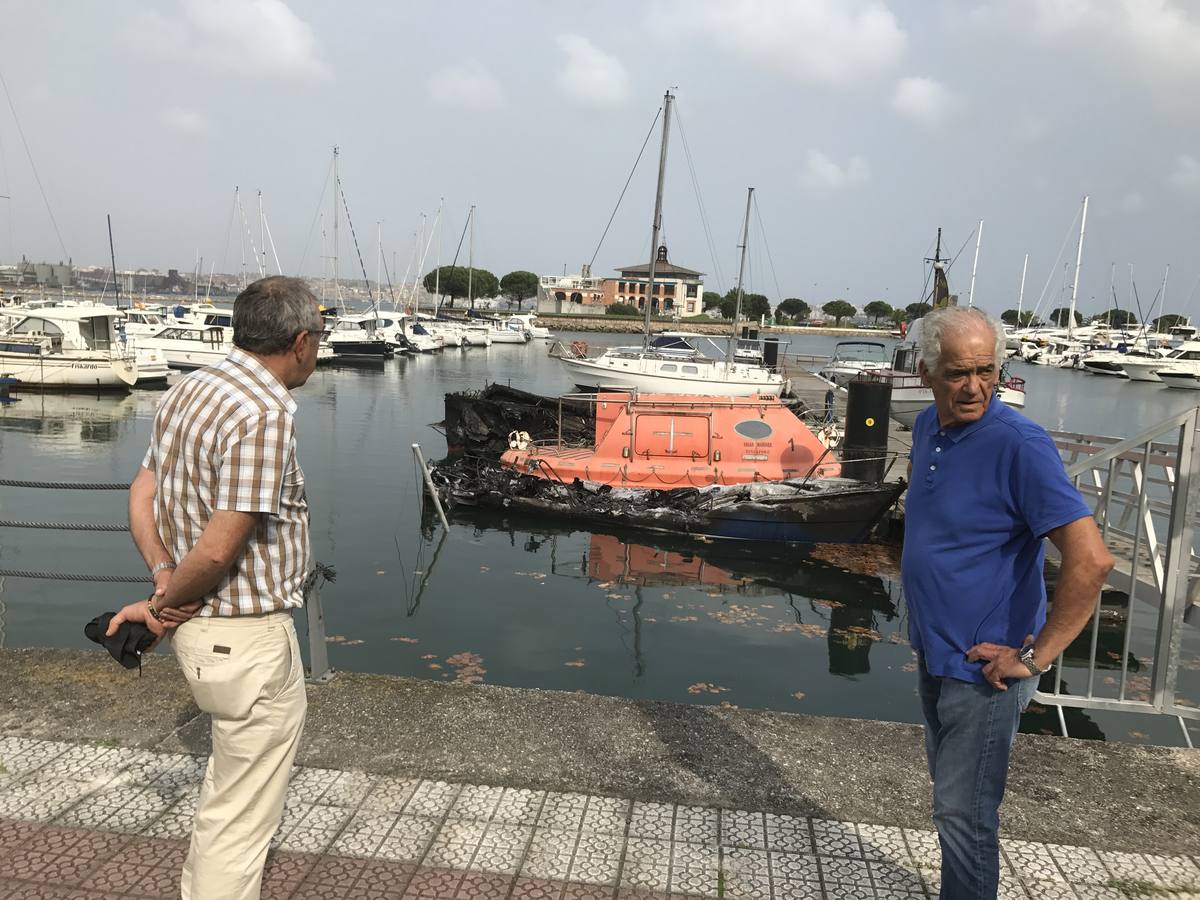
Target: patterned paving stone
(836,838)
(121,821)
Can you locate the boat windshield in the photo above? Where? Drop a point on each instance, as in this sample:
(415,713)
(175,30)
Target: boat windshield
(860,351)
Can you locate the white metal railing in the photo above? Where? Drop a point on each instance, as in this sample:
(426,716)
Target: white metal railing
(1145,496)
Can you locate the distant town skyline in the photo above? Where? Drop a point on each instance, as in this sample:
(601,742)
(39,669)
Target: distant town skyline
(864,125)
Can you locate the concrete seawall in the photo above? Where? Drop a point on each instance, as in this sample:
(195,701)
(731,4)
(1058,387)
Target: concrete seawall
(1108,796)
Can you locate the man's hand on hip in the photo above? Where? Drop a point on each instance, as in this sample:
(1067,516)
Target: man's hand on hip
(1002,662)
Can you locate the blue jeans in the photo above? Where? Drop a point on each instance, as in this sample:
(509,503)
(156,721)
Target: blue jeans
(969,731)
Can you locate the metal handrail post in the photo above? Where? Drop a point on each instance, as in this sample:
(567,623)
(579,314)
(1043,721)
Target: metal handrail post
(1178,564)
(319,670)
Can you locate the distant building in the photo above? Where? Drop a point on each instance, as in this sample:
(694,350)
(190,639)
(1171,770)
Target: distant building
(55,275)
(678,291)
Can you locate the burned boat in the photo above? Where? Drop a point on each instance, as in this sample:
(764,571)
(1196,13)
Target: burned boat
(734,468)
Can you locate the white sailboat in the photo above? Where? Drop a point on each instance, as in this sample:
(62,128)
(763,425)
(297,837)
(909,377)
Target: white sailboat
(661,365)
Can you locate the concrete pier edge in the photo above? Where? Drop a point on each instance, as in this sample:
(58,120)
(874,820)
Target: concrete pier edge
(1064,791)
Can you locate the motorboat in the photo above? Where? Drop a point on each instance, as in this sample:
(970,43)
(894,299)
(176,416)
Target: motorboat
(716,467)
(1181,358)
(69,347)
(187,346)
(526,322)
(507,331)
(852,359)
(354,337)
(670,364)
(419,337)
(1115,362)
(1180,379)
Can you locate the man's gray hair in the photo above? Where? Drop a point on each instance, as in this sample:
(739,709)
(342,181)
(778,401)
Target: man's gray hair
(270,312)
(937,324)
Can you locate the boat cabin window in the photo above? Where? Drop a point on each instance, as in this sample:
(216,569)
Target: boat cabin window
(754,429)
(905,359)
(669,435)
(668,367)
(1190,354)
(96,333)
(37,326)
(224,320)
(691,370)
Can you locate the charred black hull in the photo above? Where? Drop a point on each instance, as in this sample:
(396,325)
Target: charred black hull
(804,512)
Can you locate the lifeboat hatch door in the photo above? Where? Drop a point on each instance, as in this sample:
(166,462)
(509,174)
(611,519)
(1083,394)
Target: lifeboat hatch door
(671,435)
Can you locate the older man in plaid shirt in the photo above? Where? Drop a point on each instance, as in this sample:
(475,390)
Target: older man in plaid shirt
(219,514)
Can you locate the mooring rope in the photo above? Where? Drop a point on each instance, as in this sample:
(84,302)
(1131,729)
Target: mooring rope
(72,576)
(64,485)
(64,526)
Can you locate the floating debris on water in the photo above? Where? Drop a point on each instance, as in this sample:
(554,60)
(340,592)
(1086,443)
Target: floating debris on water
(799,695)
(576,663)
(703,687)
(406,640)
(468,667)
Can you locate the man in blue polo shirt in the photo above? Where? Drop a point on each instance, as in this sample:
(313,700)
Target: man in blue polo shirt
(986,486)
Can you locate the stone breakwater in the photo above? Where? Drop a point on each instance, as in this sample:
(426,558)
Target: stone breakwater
(621,325)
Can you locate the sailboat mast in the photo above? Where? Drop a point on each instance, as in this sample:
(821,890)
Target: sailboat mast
(337,188)
(471,257)
(656,227)
(1021,295)
(1078,265)
(437,278)
(737,310)
(113,256)
(262,238)
(975,265)
(237,197)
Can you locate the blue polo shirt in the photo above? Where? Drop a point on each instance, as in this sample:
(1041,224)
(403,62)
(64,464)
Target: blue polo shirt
(982,498)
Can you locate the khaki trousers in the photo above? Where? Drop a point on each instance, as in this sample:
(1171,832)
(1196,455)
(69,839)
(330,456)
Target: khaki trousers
(247,673)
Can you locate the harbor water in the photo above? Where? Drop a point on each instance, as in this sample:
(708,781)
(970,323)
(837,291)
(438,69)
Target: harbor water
(521,602)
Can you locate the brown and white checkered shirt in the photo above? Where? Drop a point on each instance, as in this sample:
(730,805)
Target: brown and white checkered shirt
(224,438)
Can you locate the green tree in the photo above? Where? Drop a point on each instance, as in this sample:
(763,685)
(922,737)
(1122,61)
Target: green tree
(754,306)
(916,310)
(877,309)
(622,309)
(1169,321)
(453,283)
(1026,320)
(897,316)
(711,299)
(793,308)
(839,309)
(519,286)
(1058,317)
(1117,317)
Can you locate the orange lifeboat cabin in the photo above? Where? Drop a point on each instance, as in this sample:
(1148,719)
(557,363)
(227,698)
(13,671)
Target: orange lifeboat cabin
(664,441)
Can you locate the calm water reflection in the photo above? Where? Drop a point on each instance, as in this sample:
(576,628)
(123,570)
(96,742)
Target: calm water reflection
(509,601)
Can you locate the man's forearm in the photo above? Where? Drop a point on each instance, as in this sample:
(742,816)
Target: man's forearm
(142,527)
(194,578)
(1075,599)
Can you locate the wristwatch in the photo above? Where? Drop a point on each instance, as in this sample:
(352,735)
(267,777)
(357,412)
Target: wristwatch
(1026,657)
(158,567)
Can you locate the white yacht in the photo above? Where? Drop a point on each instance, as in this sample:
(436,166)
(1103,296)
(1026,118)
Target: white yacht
(77,346)
(507,331)
(853,358)
(526,321)
(671,365)
(1182,358)
(354,338)
(187,346)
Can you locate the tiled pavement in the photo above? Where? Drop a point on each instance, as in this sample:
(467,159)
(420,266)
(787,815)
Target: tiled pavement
(81,821)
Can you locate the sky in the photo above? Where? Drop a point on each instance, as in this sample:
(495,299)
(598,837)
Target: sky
(863,125)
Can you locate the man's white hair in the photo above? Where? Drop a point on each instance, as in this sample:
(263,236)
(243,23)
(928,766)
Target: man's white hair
(937,324)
